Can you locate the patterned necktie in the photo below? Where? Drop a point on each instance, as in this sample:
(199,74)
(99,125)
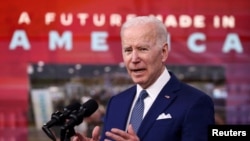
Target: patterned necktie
(137,113)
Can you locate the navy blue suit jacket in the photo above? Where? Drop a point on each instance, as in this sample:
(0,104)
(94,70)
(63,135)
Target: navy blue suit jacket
(190,110)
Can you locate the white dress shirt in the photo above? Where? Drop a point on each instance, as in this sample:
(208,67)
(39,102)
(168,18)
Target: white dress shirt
(153,91)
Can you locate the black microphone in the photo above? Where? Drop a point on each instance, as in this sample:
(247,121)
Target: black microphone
(60,117)
(76,117)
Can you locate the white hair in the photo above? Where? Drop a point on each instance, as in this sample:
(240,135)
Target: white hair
(160,28)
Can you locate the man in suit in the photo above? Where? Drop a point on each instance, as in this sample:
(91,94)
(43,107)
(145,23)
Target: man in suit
(173,111)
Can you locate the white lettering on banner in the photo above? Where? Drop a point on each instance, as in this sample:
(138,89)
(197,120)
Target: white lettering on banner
(228,21)
(171,21)
(192,42)
(195,42)
(49,17)
(56,41)
(82,17)
(199,21)
(185,21)
(66,19)
(98,41)
(115,19)
(232,42)
(224,22)
(19,39)
(24,18)
(99,20)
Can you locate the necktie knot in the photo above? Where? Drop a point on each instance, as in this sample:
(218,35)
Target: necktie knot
(143,94)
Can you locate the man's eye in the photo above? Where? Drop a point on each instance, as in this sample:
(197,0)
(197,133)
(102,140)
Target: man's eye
(143,49)
(127,50)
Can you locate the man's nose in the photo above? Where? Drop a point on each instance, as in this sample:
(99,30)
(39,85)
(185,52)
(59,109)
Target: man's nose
(135,56)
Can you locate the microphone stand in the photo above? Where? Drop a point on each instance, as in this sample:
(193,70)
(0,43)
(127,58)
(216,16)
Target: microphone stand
(67,133)
(49,133)
(74,117)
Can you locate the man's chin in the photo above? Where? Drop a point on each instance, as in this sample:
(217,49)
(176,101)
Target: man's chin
(138,81)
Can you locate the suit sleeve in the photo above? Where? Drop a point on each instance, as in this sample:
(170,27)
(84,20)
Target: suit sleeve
(198,117)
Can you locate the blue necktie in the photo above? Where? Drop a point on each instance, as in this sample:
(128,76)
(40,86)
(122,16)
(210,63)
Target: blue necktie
(137,113)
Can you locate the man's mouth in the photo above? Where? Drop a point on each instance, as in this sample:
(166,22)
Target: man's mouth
(137,70)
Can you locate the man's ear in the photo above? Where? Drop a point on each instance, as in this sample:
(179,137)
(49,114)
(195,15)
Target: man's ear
(165,51)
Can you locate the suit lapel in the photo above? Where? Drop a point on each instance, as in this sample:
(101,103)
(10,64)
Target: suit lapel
(122,108)
(162,102)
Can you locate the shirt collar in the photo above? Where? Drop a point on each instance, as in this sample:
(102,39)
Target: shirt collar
(157,86)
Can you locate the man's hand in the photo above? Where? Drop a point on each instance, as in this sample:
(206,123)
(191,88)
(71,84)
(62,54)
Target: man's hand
(120,135)
(95,136)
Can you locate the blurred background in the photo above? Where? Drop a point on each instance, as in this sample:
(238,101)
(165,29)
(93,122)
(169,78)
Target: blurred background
(55,53)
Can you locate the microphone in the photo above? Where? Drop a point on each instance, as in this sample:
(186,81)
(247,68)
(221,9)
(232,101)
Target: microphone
(76,117)
(60,117)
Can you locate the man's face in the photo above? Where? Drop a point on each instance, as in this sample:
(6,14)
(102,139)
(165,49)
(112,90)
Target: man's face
(144,59)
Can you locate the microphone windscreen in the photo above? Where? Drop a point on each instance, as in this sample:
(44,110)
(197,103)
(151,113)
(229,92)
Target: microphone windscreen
(76,117)
(90,106)
(73,106)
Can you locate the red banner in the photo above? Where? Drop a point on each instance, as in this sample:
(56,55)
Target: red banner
(212,32)
(87,32)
